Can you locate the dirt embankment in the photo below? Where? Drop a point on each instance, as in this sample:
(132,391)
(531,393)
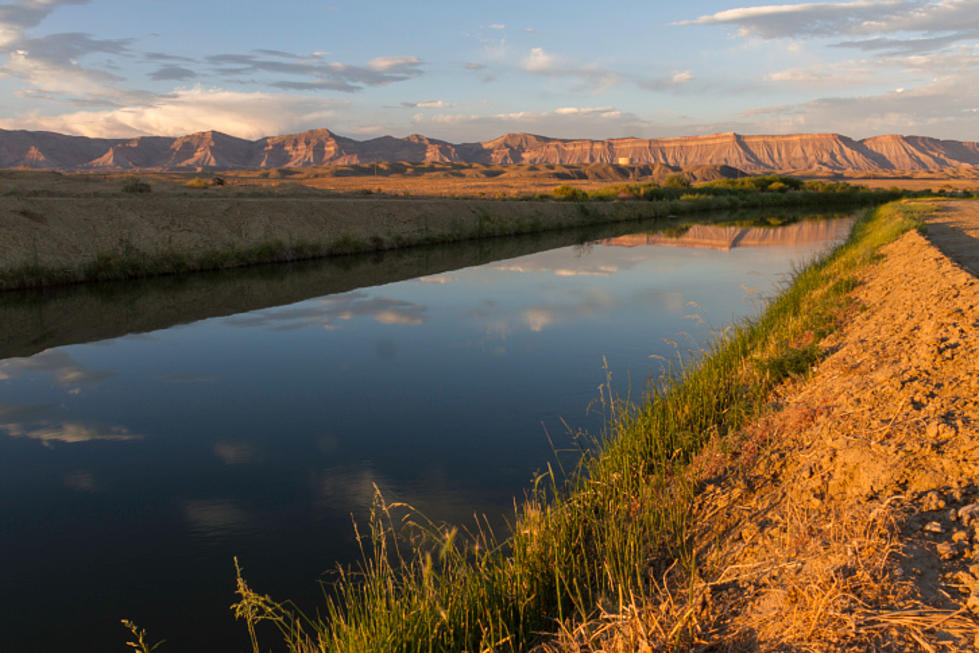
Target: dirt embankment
(848,517)
(70,234)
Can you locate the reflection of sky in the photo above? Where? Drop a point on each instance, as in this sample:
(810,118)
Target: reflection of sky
(233,435)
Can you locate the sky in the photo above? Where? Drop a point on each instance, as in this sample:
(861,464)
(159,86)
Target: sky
(466,72)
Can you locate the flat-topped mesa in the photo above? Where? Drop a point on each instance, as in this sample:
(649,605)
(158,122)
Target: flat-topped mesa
(318,147)
(922,152)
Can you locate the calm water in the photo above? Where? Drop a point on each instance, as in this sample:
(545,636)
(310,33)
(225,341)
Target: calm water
(150,432)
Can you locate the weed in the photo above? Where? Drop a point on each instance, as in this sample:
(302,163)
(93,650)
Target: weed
(140,645)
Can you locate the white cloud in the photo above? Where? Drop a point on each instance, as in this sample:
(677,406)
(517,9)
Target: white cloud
(539,61)
(246,115)
(17,16)
(388,64)
(958,18)
(427,104)
(938,108)
(580,111)
(842,74)
(682,77)
(590,76)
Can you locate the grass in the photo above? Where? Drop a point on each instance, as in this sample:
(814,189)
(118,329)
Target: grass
(129,261)
(595,537)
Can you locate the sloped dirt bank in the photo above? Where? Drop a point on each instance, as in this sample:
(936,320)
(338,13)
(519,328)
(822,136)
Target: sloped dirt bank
(848,517)
(48,240)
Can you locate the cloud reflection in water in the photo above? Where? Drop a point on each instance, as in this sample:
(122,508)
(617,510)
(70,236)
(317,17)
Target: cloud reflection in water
(67,372)
(328,311)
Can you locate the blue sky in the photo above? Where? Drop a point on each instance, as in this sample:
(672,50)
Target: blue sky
(466,72)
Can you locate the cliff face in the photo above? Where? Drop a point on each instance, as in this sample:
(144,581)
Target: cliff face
(214,150)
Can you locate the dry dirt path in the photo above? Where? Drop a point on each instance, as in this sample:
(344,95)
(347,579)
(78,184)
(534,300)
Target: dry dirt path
(955,230)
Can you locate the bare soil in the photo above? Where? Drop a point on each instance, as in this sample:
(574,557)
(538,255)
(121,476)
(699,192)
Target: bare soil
(847,519)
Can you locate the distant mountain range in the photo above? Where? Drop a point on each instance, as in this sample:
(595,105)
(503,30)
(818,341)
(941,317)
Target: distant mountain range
(213,150)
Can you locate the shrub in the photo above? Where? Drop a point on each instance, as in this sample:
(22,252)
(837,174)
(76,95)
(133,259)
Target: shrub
(676,180)
(136,185)
(569,193)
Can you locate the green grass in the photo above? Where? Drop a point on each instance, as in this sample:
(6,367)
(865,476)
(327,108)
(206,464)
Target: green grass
(599,537)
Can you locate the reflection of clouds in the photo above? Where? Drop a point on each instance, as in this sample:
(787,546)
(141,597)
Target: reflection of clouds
(67,371)
(394,317)
(80,482)
(670,301)
(595,301)
(214,517)
(34,422)
(583,271)
(234,453)
(538,318)
(437,279)
(342,487)
(326,312)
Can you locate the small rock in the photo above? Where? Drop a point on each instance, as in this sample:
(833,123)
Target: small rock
(965,578)
(960,536)
(953,514)
(932,501)
(968,513)
(974,570)
(973,602)
(946,551)
(932,430)
(933,527)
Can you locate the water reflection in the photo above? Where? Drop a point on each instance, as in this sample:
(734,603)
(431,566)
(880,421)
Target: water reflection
(43,423)
(65,371)
(34,321)
(728,237)
(269,406)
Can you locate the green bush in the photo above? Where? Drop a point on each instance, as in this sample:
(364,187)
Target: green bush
(676,180)
(569,193)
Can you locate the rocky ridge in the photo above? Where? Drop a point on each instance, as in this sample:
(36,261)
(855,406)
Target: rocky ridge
(214,150)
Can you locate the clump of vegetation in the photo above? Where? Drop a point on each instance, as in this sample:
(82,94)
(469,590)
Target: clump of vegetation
(136,185)
(605,534)
(676,180)
(200,182)
(569,193)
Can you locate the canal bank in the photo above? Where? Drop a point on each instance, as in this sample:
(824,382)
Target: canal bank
(51,240)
